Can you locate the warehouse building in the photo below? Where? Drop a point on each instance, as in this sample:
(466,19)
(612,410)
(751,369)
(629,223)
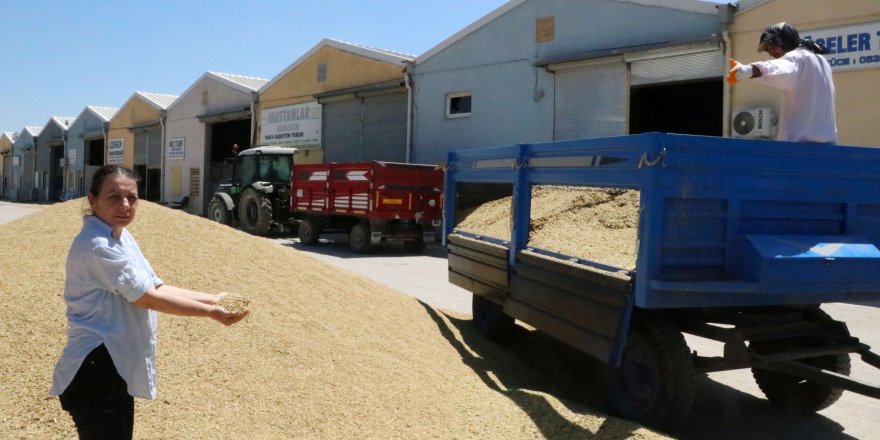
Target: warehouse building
(23,164)
(50,159)
(135,137)
(203,124)
(6,141)
(850,29)
(339,102)
(86,141)
(542,70)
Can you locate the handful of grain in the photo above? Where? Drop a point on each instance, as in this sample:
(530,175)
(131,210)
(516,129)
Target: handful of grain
(234,303)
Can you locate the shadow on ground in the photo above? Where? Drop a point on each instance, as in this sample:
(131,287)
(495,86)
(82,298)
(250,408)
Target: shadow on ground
(533,361)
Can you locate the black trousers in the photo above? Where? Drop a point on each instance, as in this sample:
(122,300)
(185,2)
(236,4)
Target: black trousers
(98,399)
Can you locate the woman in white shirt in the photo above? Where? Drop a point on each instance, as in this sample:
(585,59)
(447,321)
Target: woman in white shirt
(804,76)
(112,297)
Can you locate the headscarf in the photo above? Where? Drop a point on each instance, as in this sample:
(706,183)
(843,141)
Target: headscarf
(786,36)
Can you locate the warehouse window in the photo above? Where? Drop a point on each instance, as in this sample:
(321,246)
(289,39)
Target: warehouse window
(458,105)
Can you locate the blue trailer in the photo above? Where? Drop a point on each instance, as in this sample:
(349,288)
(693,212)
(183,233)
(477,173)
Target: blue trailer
(739,241)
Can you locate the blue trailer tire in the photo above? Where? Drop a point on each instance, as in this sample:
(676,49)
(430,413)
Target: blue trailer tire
(489,317)
(656,382)
(793,392)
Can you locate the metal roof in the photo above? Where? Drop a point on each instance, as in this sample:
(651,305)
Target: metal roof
(158,100)
(61,121)
(697,6)
(387,56)
(104,113)
(252,84)
(11,135)
(33,130)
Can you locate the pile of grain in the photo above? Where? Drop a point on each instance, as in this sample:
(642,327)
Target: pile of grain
(600,225)
(326,354)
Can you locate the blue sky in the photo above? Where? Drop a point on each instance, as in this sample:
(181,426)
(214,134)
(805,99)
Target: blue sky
(57,56)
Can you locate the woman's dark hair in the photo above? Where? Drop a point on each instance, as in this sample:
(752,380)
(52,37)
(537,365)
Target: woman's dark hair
(787,37)
(107,171)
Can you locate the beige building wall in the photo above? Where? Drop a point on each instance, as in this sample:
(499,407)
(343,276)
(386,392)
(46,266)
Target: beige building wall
(858,91)
(344,70)
(134,113)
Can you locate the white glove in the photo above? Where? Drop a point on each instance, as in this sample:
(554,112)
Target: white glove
(738,72)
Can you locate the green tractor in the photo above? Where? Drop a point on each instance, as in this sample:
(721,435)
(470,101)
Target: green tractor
(258,195)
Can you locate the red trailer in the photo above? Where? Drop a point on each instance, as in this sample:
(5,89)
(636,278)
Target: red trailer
(371,201)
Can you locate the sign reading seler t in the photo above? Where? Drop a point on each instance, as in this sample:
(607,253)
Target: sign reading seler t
(849,47)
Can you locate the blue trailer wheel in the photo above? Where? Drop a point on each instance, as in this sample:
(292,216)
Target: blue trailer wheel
(793,392)
(655,382)
(489,317)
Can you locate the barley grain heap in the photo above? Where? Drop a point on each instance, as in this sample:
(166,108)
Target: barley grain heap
(596,224)
(328,354)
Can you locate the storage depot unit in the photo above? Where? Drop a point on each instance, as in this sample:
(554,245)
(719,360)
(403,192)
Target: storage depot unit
(6,141)
(85,149)
(564,71)
(850,29)
(23,164)
(50,159)
(202,126)
(338,102)
(134,139)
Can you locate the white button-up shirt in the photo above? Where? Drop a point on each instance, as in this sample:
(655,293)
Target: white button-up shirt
(104,277)
(807,111)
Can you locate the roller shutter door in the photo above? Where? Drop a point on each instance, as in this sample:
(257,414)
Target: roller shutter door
(384,128)
(591,101)
(342,131)
(678,68)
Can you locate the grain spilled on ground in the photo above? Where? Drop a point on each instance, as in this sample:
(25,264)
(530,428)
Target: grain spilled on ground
(600,225)
(324,353)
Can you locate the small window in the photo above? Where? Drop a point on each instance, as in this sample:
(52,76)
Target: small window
(545,29)
(322,72)
(458,105)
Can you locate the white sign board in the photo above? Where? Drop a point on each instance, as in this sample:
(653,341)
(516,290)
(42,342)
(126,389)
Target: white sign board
(115,150)
(71,156)
(16,161)
(295,125)
(849,47)
(175,149)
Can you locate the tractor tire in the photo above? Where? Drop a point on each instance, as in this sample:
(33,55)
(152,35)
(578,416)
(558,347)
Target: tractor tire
(655,383)
(309,232)
(359,238)
(793,392)
(255,212)
(490,318)
(217,211)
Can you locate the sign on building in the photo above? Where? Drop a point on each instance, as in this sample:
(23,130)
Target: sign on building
(850,47)
(71,156)
(175,149)
(115,150)
(295,126)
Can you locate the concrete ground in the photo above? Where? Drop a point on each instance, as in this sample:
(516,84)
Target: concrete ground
(10,211)
(728,404)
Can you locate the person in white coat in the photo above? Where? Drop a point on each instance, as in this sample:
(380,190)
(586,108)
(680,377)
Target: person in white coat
(804,76)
